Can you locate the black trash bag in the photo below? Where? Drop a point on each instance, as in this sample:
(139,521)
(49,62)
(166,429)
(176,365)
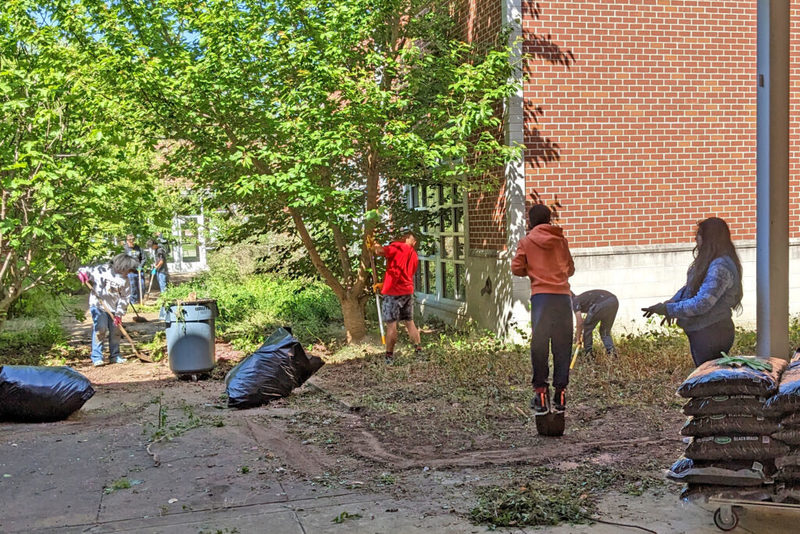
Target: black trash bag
(35,394)
(725,448)
(725,405)
(729,425)
(787,399)
(271,372)
(712,379)
(741,473)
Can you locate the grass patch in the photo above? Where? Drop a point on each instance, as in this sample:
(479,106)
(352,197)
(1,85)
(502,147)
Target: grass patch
(32,342)
(545,498)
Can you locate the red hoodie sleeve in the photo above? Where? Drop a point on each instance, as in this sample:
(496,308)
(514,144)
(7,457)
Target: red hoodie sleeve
(519,265)
(570,262)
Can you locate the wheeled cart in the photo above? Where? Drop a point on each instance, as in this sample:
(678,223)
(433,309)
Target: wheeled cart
(726,516)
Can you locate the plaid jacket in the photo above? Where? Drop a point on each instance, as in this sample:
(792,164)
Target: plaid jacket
(718,294)
(110,288)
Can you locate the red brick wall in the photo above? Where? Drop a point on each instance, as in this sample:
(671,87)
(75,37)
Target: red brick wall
(641,117)
(480,21)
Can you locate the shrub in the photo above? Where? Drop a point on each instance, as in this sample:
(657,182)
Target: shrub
(252,305)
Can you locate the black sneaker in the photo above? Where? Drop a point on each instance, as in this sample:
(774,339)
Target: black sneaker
(539,401)
(560,400)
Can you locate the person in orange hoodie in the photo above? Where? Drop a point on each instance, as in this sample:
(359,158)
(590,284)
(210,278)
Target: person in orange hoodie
(543,256)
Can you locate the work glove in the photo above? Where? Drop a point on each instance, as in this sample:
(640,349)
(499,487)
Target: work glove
(83,277)
(154,271)
(658,309)
(117,320)
(377,287)
(655,309)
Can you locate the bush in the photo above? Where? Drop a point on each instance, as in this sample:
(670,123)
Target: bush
(251,306)
(30,342)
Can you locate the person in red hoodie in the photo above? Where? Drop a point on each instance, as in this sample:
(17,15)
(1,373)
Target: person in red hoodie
(398,289)
(543,256)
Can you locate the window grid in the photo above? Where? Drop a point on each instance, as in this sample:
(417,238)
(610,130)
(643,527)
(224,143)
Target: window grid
(442,272)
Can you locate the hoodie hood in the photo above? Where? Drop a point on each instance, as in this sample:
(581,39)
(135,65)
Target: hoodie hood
(546,235)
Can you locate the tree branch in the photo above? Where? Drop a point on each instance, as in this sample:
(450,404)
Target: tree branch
(305,237)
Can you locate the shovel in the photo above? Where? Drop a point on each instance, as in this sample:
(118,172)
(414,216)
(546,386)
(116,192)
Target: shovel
(377,297)
(138,354)
(150,287)
(138,318)
(141,290)
(578,348)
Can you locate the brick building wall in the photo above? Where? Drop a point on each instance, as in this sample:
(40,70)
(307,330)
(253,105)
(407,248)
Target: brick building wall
(641,117)
(481,21)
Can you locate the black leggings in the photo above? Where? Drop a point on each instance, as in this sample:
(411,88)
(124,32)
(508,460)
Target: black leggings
(708,343)
(551,322)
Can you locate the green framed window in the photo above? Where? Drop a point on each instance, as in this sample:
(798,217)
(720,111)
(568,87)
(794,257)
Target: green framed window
(442,271)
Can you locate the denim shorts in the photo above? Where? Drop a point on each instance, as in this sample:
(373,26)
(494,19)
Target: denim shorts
(398,307)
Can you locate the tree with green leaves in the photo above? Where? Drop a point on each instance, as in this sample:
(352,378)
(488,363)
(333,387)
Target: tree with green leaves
(70,177)
(305,115)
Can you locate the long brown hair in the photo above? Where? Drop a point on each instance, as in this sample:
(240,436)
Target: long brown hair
(715,242)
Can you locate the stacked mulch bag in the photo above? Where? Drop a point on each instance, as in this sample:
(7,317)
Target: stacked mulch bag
(785,405)
(731,450)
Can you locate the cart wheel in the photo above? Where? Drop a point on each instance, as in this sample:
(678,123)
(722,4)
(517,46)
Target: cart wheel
(726,521)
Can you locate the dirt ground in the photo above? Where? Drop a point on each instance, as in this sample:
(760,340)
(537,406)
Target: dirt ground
(152,453)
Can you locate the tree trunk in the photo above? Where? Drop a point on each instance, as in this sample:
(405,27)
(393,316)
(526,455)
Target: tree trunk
(354,323)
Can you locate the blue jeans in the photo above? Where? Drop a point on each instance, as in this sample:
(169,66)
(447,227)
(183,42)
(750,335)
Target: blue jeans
(163,278)
(103,322)
(133,280)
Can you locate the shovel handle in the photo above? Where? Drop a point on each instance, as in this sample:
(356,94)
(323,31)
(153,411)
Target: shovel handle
(377,297)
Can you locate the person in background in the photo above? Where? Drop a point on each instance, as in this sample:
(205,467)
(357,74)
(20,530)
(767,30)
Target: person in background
(111,290)
(600,307)
(159,265)
(136,279)
(543,256)
(398,289)
(703,307)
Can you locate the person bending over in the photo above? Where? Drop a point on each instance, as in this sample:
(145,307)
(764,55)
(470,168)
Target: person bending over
(110,291)
(600,307)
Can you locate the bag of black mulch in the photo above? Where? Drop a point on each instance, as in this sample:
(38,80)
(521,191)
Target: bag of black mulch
(36,394)
(790,436)
(724,448)
(787,493)
(790,459)
(702,492)
(736,473)
(729,425)
(271,372)
(788,474)
(787,399)
(713,378)
(725,405)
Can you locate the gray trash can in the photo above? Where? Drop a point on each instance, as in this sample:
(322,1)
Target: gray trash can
(190,336)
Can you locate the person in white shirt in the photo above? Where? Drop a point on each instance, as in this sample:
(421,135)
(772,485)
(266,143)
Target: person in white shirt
(110,291)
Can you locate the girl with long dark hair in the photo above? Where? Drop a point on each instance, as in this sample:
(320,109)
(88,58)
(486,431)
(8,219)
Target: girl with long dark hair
(713,288)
